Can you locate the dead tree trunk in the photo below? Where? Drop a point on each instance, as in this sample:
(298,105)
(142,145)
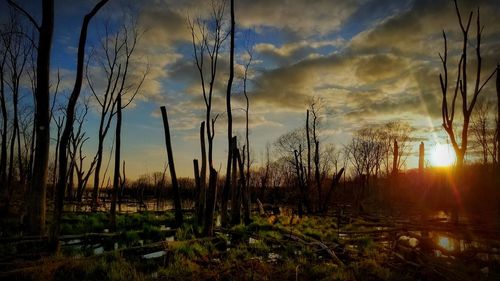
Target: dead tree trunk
(230,147)
(175,184)
(235,192)
(300,180)
(308,137)
(116,176)
(37,210)
(317,176)
(3,159)
(68,128)
(395,154)
(199,193)
(203,174)
(245,190)
(210,206)
(421,158)
(335,182)
(203,171)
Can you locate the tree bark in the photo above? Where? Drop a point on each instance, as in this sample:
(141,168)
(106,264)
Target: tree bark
(203,172)
(37,210)
(3,107)
(421,155)
(199,192)
(245,190)
(210,206)
(395,154)
(116,176)
(335,182)
(175,184)
(308,148)
(227,185)
(236,191)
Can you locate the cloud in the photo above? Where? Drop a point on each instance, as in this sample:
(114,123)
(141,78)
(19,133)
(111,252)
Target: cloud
(301,17)
(294,51)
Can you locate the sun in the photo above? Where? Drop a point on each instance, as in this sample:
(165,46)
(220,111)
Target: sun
(442,155)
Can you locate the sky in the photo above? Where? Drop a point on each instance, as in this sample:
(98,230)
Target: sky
(370,61)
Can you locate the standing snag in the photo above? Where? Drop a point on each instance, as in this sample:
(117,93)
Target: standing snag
(175,184)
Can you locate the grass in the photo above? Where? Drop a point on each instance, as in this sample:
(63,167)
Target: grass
(259,251)
(111,267)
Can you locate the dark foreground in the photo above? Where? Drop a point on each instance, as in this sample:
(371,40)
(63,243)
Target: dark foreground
(337,246)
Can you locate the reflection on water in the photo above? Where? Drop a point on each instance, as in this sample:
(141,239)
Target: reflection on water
(446,243)
(129,207)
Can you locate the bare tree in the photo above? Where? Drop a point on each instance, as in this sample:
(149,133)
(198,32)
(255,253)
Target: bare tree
(483,132)
(231,146)
(365,154)
(112,59)
(18,52)
(126,91)
(36,214)
(78,139)
(461,85)
(4,45)
(208,36)
(245,175)
(389,133)
(59,122)
(315,107)
(68,128)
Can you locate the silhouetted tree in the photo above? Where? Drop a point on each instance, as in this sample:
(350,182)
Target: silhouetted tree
(114,61)
(5,118)
(483,132)
(124,91)
(229,184)
(171,165)
(208,37)
(37,210)
(461,85)
(68,128)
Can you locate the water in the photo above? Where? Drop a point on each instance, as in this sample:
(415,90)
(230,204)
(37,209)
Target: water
(128,207)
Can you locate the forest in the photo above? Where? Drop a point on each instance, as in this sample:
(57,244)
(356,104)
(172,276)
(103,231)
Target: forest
(385,204)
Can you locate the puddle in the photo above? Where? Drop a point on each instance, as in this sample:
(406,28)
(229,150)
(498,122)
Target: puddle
(99,250)
(154,255)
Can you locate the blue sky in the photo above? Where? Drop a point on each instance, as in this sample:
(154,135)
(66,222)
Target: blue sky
(371,61)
